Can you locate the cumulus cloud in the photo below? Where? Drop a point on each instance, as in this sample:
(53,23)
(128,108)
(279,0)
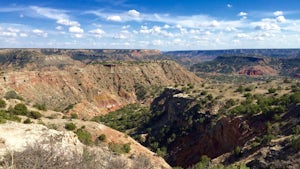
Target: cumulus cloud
(40,33)
(214,23)
(280,19)
(229,5)
(75,29)
(67,22)
(267,26)
(278,13)
(133,13)
(114,18)
(97,32)
(243,15)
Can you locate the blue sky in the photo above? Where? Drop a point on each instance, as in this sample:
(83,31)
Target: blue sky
(150,24)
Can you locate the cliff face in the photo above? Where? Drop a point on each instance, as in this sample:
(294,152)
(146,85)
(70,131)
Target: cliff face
(258,71)
(94,88)
(195,133)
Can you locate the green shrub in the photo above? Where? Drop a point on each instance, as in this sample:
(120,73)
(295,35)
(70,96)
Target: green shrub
(2,103)
(74,116)
(40,106)
(161,151)
(12,95)
(70,126)
(35,114)
(8,116)
(238,151)
(140,91)
(296,129)
(296,143)
(267,138)
(102,137)
(249,88)
(240,89)
(27,121)
(119,148)
(20,109)
(203,164)
(84,136)
(271,90)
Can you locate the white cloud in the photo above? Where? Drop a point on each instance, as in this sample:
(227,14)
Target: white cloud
(214,23)
(40,33)
(126,27)
(9,34)
(133,13)
(59,28)
(242,14)
(267,26)
(242,35)
(166,26)
(278,13)
(157,42)
(59,15)
(97,32)
(13,30)
(75,29)
(229,5)
(281,19)
(120,36)
(77,35)
(23,35)
(67,22)
(114,18)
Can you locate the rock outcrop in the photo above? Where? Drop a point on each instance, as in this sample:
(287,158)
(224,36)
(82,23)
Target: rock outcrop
(62,81)
(258,71)
(17,137)
(179,124)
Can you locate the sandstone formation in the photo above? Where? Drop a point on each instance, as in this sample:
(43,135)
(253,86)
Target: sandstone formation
(62,81)
(258,71)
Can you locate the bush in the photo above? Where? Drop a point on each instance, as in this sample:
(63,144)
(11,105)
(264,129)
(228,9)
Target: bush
(296,144)
(119,148)
(84,136)
(74,116)
(203,164)
(40,106)
(35,114)
(102,137)
(238,151)
(2,103)
(27,121)
(70,126)
(296,129)
(271,90)
(12,95)
(8,116)
(20,109)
